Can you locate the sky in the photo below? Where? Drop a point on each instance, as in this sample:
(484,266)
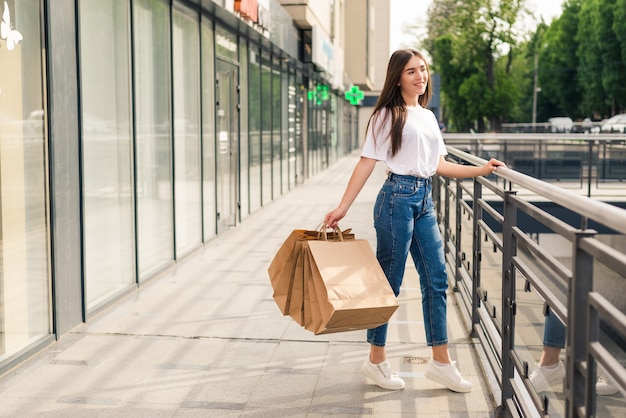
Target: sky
(409,11)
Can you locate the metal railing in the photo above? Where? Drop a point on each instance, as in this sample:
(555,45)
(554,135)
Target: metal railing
(508,278)
(591,163)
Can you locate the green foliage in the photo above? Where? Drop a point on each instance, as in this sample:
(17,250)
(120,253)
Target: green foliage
(557,54)
(487,62)
(619,26)
(520,84)
(452,76)
(478,34)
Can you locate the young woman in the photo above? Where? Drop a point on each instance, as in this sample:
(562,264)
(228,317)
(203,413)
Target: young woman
(406,136)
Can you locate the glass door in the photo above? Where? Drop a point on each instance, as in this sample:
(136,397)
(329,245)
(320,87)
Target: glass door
(227,134)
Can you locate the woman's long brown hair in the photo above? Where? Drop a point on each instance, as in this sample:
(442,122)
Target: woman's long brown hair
(391,95)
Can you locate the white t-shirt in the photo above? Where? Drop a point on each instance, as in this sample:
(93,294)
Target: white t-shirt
(422,143)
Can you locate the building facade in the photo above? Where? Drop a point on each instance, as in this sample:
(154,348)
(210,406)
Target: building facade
(132,132)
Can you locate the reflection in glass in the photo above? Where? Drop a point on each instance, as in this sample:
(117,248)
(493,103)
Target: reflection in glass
(266,129)
(153,153)
(244,157)
(292,100)
(254,85)
(24,254)
(226,126)
(286,111)
(106,145)
(276,130)
(208,131)
(187,176)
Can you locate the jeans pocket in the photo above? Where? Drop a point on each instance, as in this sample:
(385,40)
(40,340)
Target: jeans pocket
(378,206)
(405,190)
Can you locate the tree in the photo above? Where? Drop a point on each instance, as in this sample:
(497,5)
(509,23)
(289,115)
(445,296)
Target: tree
(619,26)
(558,62)
(452,76)
(613,69)
(522,83)
(589,53)
(478,33)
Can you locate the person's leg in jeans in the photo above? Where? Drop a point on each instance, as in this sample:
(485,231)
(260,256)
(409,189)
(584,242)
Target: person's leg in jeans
(554,334)
(427,253)
(394,226)
(428,256)
(550,370)
(393,222)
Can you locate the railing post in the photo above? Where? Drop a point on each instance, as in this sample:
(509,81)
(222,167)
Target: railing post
(509,250)
(476,253)
(589,168)
(446,215)
(577,338)
(437,195)
(457,238)
(593,328)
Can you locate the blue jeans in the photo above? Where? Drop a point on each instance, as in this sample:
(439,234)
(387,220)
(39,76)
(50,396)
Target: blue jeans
(405,221)
(554,332)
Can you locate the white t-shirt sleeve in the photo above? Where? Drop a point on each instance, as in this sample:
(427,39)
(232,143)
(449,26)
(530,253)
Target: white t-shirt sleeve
(442,145)
(378,138)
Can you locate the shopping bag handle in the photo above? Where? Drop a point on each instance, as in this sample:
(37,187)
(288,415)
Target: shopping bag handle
(323,228)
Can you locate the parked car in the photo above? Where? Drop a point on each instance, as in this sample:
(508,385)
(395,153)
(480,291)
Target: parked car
(561,124)
(586,126)
(615,123)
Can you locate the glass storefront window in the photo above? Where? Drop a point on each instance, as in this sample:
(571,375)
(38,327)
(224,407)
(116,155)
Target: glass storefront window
(292,136)
(187,157)
(254,96)
(24,229)
(244,151)
(227,127)
(318,103)
(153,145)
(208,131)
(333,139)
(299,125)
(266,128)
(284,126)
(106,149)
(277,157)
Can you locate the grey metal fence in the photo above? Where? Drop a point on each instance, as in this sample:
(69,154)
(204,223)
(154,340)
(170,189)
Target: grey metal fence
(521,247)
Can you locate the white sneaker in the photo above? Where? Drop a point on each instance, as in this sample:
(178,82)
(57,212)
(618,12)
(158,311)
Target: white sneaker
(448,376)
(605,387)
(543,378)
(382,375)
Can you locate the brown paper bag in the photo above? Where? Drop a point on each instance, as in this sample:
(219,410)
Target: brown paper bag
(351,288)
(282,268)
(313,318)
(296,299)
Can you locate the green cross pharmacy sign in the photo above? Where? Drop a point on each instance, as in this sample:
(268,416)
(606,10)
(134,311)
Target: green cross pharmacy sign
(318,95)
(354,95)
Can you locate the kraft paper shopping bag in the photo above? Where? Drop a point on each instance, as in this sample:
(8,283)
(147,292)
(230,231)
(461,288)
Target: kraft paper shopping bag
(351,288)
(296,298)
(282,268)
(313,318)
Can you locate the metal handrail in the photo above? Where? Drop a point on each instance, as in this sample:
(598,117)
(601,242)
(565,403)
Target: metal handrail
(498,335)
(591,209)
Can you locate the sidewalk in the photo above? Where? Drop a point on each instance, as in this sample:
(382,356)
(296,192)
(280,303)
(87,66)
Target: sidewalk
(207,339)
